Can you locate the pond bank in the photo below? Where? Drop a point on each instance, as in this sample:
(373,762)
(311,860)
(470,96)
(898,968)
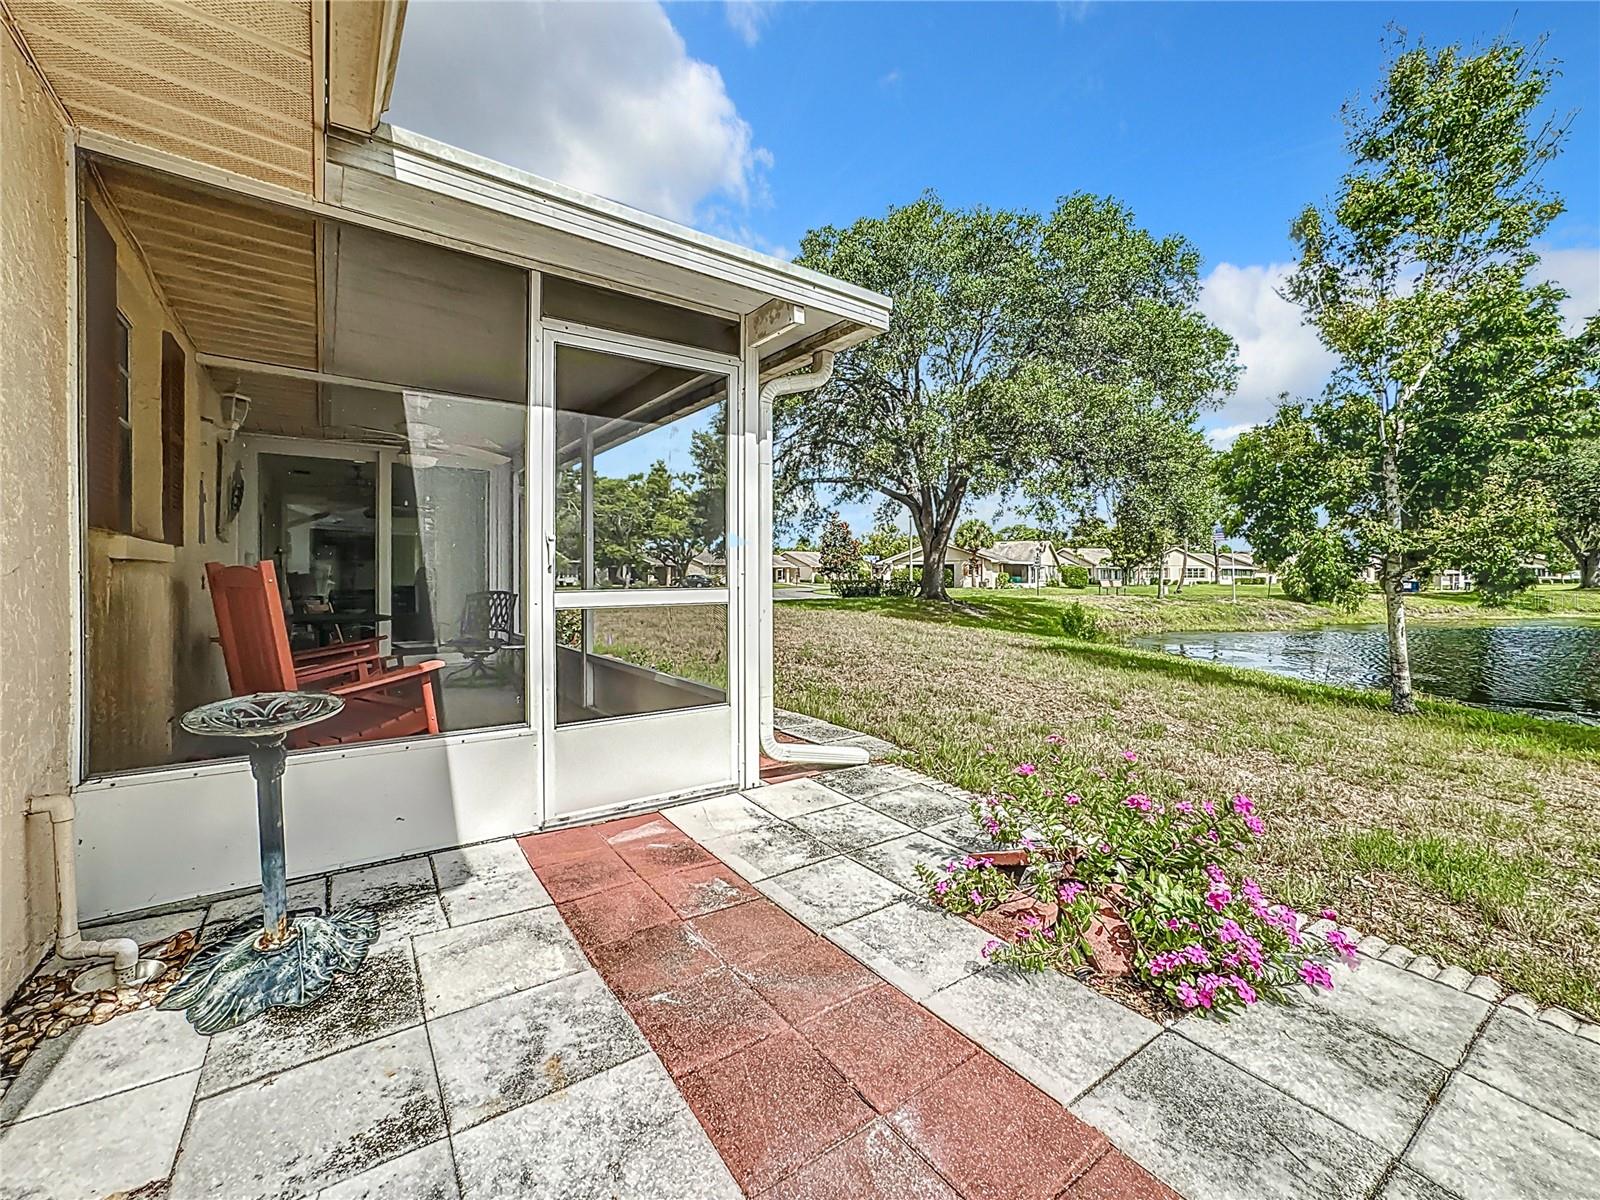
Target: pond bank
(1543,667)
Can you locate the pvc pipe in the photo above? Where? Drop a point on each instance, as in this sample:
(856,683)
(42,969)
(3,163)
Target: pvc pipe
(789,752)
(70,944)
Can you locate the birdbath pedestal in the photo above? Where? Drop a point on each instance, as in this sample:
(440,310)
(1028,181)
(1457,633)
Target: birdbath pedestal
(285,959)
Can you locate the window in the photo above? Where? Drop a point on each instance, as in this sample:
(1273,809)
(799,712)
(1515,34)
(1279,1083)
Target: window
(641,473)
(107,385)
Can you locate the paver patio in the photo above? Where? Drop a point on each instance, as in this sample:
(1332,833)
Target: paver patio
(740,996)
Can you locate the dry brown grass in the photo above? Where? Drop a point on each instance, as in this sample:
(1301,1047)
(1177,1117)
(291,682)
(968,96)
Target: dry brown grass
(1470,836)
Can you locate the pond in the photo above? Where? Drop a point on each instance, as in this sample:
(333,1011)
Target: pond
(1548,668)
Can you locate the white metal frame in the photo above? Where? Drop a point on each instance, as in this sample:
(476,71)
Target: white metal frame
(188,830)
(553,335)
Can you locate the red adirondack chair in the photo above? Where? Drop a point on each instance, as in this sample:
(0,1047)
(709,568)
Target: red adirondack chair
(378,703)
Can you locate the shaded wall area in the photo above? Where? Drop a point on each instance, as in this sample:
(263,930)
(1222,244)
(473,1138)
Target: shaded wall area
(35,536)
(147,617)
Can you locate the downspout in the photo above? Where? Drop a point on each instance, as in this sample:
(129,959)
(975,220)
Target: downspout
(789,752)
(126,969)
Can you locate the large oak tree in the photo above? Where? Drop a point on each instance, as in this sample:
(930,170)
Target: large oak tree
(1011,332)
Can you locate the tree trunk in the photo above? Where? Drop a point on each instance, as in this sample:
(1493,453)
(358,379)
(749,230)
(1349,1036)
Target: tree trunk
(1394,596)
(931,586)
(1588,564)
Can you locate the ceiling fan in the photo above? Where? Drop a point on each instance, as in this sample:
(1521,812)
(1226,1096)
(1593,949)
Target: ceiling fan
(426,444)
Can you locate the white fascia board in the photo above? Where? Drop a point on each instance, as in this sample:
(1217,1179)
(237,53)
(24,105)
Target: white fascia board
(420,162)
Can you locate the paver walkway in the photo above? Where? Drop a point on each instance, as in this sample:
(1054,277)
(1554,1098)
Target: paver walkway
(813,1077)
(493,1047)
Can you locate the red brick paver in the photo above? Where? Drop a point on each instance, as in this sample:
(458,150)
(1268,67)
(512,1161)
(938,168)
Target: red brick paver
(812,1077)
(888,1045)
(995,1136)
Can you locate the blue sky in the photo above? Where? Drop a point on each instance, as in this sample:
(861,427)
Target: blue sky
(758,121)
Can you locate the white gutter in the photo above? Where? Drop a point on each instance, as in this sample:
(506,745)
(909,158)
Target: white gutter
(789,752)
(126,968)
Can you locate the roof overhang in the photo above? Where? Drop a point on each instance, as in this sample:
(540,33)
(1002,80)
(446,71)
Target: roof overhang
(418,183)
(363,48)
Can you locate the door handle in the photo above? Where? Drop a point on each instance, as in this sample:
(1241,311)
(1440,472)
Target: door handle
(550,554)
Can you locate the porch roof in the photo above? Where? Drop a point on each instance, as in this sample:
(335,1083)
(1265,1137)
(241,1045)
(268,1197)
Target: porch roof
(432,187)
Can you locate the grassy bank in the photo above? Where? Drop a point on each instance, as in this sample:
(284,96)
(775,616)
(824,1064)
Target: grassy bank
(1468,835)
(1205,607)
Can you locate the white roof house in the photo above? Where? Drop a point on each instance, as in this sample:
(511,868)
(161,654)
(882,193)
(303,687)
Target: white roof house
(401,380)
(1019,562)
(796,566)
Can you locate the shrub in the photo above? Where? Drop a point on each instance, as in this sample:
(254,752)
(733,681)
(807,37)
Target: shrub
(856,587)
(1324,570)
(1075,577)
(900,584)
(1079,622)
(1124,850)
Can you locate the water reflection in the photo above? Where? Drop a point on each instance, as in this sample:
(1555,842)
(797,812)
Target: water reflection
(1547,668)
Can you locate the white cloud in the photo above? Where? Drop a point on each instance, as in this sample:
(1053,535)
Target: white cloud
(604,97)
(747,18)
(1278,353)
(1578,271)
(1224,437)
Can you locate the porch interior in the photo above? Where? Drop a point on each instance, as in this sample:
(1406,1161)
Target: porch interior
(352,407)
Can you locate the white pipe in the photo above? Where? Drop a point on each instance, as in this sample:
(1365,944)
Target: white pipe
(790,752)
(70,944)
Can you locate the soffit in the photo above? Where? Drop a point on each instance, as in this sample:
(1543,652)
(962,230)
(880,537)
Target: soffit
(240,276)
(227,83)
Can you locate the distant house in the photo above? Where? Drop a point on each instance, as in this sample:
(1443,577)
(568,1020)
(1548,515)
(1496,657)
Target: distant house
(1460,579)
(1220,566)
(1019,563)
(1105,572)
(707,565)
(795,566)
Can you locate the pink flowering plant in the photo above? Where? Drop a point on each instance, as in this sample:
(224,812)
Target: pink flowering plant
(1120,864)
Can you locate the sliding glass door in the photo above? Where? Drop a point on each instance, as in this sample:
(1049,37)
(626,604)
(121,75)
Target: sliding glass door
(638,701)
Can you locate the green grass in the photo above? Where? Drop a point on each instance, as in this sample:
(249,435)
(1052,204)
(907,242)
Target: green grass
(1200,607)
(1460,871)
(1470,835)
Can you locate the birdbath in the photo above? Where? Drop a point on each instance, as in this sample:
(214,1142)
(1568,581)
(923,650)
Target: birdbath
(286,959)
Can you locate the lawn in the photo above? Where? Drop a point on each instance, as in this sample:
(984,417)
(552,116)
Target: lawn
(1207,606)
(1468,835)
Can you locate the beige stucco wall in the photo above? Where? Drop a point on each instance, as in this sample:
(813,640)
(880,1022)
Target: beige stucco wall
(35,547)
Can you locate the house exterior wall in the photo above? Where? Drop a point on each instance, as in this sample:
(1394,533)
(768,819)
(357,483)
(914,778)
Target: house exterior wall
(35,516)
(147,616)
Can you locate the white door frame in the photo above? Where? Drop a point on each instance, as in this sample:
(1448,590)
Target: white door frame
(542,414)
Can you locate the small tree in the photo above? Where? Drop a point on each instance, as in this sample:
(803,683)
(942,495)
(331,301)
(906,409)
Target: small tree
(973,534)
(841,553)
(1324,571)
(1414,278)
(885,542)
